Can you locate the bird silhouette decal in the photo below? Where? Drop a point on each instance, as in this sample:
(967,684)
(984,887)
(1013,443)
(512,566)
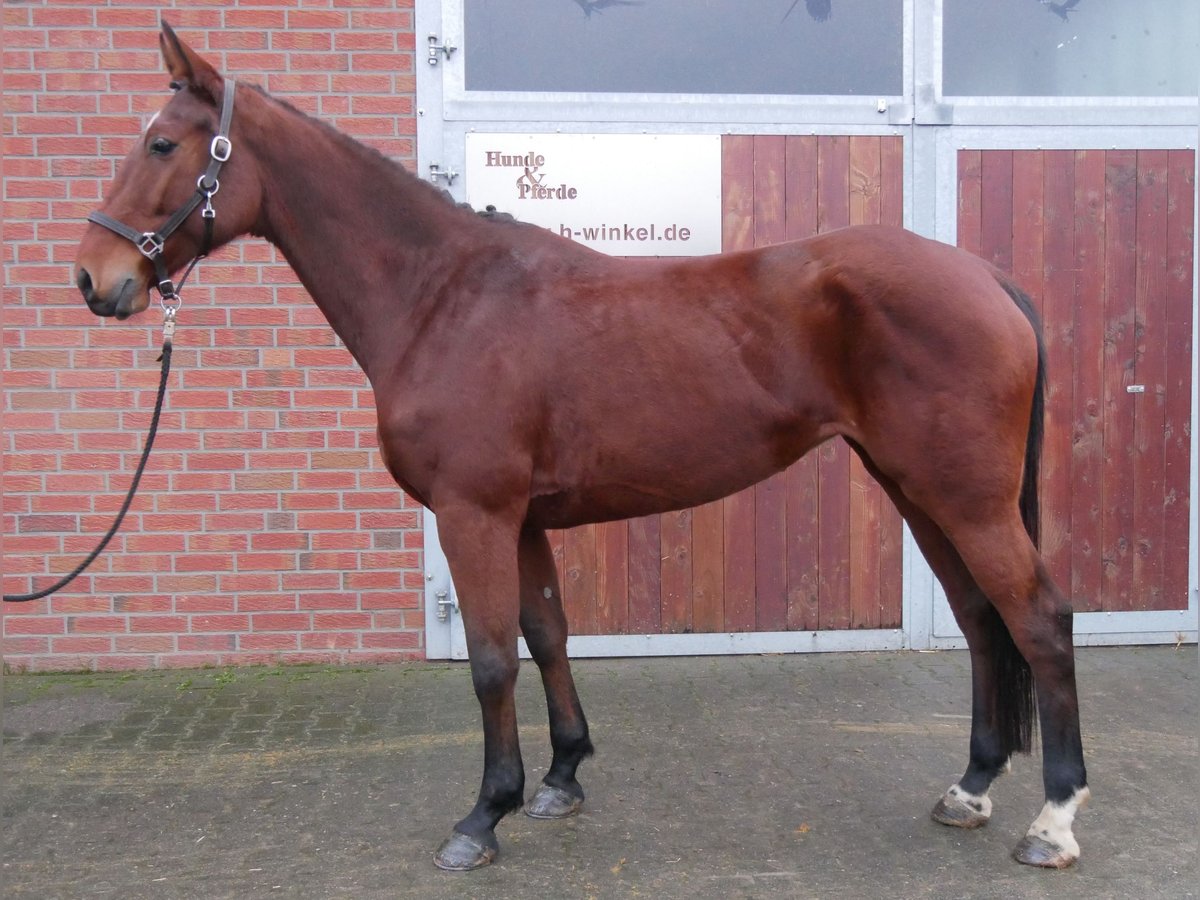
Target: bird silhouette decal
(595,6)
(819,10)
(1060,9)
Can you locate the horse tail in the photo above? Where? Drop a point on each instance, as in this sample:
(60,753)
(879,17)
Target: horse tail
(1016,710)
(1037,415)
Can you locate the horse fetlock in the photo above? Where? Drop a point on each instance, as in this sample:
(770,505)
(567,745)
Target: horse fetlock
(962,809)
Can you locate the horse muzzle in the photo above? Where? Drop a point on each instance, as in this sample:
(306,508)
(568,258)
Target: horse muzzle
(119,302)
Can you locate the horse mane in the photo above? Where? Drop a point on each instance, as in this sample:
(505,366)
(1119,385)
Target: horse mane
(389,166)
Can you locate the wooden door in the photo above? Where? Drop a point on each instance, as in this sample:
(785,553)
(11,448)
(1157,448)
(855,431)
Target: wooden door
(1102,240)
(815,547)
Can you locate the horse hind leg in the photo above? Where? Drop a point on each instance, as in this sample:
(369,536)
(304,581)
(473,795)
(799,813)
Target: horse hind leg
(1001,690)
(545,628)
(1011,574)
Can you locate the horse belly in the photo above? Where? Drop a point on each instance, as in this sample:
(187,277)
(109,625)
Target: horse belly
(637,467)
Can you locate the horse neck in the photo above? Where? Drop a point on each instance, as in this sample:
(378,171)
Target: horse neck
(368,240)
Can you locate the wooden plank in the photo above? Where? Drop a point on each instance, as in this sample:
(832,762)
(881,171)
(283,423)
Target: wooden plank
(579,584)
(738,557)
(738,183)
(891,529)
(833,497)
(833,527)
(646,596)
(1181,187)
(1120,350)
(770,496)
(803,545)
(864,180)
(557,538)
(1149,475)
(891,181)
(769,190)
(770,554)
(996,197)
(1087,435)
(800,214)
(1058,285)
(970,203)
(800,187)
(675,536)
(1027,263)
(708,570)
(864,496)
(737,192)
(612,578)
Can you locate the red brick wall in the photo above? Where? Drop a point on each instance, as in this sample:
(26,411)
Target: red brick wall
(266,528)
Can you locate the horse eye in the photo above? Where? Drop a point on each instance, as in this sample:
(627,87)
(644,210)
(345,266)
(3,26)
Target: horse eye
(161,146)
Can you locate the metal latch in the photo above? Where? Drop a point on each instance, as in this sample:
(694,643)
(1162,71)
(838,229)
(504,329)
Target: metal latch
(436,172)
(435,48)
(1135,389)
(445,603)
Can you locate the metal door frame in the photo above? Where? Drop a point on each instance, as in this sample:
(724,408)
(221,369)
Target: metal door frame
(934,126)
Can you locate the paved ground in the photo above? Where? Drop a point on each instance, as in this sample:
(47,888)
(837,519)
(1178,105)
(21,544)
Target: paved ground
(796,776)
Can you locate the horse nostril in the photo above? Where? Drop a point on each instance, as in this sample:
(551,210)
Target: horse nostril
(84,282)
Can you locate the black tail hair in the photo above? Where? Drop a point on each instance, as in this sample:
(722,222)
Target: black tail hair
(1015,708)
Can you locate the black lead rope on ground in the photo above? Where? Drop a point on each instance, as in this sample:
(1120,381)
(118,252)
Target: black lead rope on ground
(137,476)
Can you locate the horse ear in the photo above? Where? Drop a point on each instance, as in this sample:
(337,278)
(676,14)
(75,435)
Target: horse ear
(187,67)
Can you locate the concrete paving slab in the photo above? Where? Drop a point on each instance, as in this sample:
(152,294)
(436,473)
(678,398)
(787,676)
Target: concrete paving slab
(789,776)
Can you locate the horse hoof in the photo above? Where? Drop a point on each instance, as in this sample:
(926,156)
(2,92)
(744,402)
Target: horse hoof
(552,803)
(962,810)
(461,852)
(1036,851)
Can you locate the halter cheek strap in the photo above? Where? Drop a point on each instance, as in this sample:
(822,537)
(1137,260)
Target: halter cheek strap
(151,243)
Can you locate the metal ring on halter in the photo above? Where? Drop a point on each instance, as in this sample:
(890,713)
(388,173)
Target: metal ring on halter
(205,189)
(170,303)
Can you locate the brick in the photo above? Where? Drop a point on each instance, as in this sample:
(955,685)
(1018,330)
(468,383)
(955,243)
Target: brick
(82,645)
(95,624)
(14,624)
(336,640)
(268,641)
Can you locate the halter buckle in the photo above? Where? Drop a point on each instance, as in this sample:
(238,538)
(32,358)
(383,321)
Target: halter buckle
(151,244)
(220,148)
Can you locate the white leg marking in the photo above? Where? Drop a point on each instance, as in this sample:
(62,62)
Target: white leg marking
(978,803)
(1053,823)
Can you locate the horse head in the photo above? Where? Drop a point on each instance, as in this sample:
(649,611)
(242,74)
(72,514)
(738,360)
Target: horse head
(132,243)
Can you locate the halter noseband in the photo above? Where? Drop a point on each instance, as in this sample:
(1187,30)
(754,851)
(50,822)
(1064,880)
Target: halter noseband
(151,243)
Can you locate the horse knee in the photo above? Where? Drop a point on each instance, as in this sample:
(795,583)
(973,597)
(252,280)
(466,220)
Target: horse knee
(493,672)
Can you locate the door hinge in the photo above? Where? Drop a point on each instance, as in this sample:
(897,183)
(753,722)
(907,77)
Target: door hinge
(445,603)
(435,48)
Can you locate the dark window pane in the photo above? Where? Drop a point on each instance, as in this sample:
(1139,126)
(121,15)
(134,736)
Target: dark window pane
(1071,48)
(686,46)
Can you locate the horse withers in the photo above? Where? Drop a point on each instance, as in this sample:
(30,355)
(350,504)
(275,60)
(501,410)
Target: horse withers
(524,382)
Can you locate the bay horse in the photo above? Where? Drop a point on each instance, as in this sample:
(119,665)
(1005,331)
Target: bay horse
(525,382)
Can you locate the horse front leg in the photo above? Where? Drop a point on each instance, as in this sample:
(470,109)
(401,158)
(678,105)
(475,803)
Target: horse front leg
(545,628)
(481,547)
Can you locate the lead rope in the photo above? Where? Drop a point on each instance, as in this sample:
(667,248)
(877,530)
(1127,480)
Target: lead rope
(168,335)
(151,245)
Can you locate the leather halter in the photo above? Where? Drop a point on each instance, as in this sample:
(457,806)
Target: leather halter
(151,243)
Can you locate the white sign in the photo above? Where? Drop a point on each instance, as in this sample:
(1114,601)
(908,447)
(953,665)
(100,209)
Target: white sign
(624,194)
